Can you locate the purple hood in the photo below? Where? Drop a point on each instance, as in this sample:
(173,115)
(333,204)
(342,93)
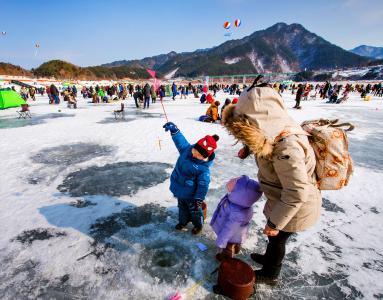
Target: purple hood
(246,192)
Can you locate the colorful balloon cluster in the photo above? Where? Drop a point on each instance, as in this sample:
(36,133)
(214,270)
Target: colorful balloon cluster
(227,24)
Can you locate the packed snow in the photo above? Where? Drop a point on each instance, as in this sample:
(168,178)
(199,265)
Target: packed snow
(86,212)
(171,74)
(233,60)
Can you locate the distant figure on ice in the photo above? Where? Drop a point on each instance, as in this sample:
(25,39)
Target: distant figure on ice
(211,113)
(55,94)
(233,214)
(298,96)
(153,94)
(190,178)
(162,92)
(174,91)
(138,97)
(227,102)
(147,93)
(325,90)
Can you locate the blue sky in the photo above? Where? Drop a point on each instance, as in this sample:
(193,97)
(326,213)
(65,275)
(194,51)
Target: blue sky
(87,32)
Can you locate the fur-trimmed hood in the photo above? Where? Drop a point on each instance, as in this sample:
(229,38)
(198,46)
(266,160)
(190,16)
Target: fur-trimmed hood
(258,119)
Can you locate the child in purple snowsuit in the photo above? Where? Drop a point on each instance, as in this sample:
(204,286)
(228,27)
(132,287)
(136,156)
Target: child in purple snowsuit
(233,214)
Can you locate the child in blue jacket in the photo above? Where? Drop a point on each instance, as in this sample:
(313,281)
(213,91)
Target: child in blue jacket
(190,178)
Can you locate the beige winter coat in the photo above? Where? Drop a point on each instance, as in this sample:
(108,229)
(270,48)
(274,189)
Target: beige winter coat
(284,156)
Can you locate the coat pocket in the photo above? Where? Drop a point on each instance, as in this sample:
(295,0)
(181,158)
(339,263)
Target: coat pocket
(271,184)
(189,182)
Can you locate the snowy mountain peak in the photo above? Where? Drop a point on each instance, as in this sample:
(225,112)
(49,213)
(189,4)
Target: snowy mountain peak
(368,51)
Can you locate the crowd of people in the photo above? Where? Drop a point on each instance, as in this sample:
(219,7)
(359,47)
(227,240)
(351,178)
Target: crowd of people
(144,94)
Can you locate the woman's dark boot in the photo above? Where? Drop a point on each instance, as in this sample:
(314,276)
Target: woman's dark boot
(268,276)
(258,258)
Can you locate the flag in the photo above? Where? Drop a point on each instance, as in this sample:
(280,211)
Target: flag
(151,73)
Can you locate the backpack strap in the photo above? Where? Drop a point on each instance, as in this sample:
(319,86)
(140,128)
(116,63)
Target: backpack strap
(350,126)
(289,131)
(331,123)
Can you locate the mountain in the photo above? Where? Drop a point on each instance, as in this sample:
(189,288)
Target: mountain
(279,48)
(9,69)
(153,62)
(64,70)
(369,51)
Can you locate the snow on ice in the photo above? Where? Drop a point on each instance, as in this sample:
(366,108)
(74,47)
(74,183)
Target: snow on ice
(86,213)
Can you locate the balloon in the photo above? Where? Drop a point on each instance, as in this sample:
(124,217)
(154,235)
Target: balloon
(226,25)
(237,23)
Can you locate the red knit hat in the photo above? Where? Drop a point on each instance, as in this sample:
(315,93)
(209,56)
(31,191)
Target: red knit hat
(207,145)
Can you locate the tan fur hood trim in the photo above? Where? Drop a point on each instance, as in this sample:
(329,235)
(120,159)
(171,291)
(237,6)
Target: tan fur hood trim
(246,132)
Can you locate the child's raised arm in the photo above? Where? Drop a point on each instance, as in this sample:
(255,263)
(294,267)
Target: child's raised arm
(178,138)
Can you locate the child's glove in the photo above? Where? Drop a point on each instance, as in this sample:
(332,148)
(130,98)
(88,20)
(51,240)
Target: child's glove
(244,152)
(170,126)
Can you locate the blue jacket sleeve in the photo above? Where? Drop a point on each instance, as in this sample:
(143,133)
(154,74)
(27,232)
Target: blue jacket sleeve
(203,181)
(180,141)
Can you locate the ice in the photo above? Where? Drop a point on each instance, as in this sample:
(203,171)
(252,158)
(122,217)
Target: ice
(98,220)
(40,234)
(71,154)
(63,156)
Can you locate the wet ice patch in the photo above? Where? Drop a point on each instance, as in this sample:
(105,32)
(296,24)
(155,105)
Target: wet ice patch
(134,216)
(71,154)
(111,120)
(142,114)
(330,206)
(82,203)
(131,116)
(123,178)
(40,234)
(35,120)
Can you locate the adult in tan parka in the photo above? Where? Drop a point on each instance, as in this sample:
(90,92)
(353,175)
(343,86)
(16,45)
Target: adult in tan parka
(286,164)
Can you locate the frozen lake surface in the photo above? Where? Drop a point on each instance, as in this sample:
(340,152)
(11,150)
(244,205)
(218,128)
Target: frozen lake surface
(86,213)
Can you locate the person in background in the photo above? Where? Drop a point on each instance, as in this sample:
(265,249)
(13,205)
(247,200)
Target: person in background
(183,96)
(212,112)
(298,96)
(32,93)
(153,94)
(227,102)
(174,91)
(74,92)
(146,92)
(55,94)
